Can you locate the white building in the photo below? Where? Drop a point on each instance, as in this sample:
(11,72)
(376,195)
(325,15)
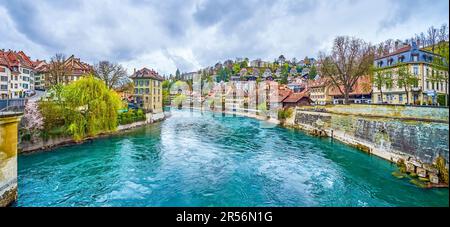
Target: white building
(16,74)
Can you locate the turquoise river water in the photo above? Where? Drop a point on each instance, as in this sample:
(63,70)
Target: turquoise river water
(207,159)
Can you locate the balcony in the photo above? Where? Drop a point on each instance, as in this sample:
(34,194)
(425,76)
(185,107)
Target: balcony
(416,89)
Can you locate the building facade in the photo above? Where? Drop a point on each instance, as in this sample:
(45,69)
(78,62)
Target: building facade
(75,69)
(319,92)
(148,90)
(419,62)
(361,92)
(16,75)
(40,68)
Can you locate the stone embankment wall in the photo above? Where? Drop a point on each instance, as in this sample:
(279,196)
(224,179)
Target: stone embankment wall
(8,157)
(415,134)
(42,145)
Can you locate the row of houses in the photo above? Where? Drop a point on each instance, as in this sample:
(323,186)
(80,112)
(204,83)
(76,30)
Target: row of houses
(20,76)
(16,74)
(431,81)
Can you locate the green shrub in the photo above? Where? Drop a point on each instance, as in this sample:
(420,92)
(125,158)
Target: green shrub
(401,165)
(131,116)
(284,114)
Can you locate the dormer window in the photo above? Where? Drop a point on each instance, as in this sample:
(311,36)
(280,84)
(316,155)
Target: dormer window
(380,63)
(401,58)
(390,61)
(415,57)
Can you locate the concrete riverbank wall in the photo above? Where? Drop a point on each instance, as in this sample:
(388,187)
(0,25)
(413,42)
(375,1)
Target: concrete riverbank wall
(414,134)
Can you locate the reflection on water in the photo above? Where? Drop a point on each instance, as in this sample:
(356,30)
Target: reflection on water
(205,159)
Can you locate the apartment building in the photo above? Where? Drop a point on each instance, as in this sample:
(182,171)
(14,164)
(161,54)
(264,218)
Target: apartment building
(419,62)
(16,74)
(148,90)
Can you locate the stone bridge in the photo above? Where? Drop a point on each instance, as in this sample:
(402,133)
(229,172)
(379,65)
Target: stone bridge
(9,122)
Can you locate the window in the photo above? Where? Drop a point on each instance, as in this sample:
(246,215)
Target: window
(401,58)
(400,98)
(4,87)
(428,84)
(25,71)
(390,61)
(379,98)
(416,70)
(415,57)
(437,86)
(141,83)
(135,83)
(3,78)
(141,91)
(147,83)
(147,90)
(2,69)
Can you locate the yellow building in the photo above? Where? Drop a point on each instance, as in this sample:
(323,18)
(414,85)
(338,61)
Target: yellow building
(148,90)
(419,63)
(319,92)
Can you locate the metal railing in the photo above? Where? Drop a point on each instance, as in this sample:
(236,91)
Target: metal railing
(12,105)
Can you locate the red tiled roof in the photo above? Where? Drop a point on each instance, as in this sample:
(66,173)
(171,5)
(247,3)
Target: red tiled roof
(318,83)
(295,97)
(362,87)
(12,58)
(3,59)
(147,73)
(283,94)
(77,66)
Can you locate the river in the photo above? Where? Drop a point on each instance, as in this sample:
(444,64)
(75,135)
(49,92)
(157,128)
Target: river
(206,159)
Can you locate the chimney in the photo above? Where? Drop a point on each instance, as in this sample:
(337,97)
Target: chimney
(134,71)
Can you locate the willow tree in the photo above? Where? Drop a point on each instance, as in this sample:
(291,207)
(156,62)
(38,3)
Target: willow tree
(90,107)
(350,59)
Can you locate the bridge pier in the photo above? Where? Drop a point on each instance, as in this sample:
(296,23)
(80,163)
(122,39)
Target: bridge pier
(9,123)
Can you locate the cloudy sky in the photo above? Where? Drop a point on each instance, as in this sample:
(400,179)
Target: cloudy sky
(190,34)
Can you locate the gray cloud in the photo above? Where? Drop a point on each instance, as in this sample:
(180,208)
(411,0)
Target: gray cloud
(166,35)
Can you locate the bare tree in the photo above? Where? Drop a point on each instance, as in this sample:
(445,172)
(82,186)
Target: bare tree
(380,50)
(397,44)
(114,75)
(350,59)
(57,72)
(388,46)
(443,33)
(423,39)
(432,37)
